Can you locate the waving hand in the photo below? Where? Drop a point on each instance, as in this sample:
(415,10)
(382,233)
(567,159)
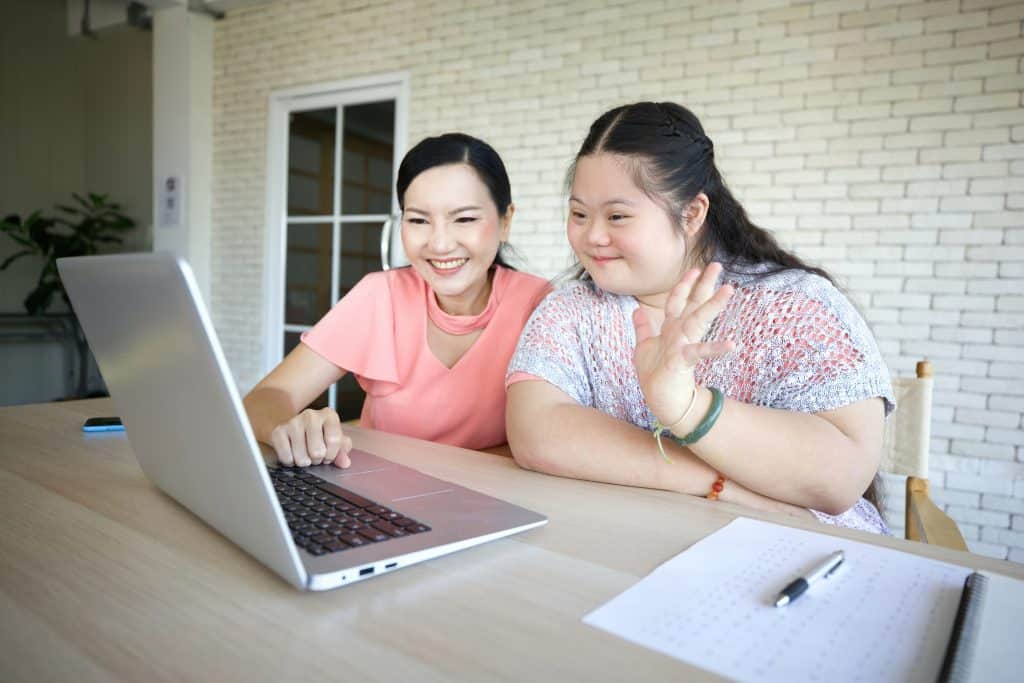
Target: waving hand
(665,362)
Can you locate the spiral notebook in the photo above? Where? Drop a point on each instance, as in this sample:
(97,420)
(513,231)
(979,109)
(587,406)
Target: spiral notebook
(985,645)
(885,615)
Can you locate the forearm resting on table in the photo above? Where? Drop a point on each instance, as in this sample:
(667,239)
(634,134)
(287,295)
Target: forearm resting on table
(823,461)
(569,440)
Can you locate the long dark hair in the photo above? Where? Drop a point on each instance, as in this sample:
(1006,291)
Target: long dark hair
(672,160)
(459,148)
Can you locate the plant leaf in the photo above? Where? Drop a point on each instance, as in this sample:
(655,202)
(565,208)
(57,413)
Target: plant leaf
(70,209)
(82,227)
(14,257)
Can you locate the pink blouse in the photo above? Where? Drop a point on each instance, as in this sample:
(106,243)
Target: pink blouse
(378,332)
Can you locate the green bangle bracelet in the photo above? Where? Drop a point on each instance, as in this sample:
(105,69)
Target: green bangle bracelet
(717,400)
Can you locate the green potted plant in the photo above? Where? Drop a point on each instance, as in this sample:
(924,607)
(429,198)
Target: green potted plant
(78,230)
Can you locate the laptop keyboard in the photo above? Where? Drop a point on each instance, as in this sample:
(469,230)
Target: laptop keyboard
(325,518)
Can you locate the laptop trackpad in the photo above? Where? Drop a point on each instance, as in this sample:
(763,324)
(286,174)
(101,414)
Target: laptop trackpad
(395,484)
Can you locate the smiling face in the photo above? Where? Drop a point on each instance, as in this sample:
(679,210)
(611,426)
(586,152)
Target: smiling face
(625,241)
(451,232)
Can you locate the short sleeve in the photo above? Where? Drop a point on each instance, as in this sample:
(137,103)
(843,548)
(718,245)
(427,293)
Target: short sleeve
(358,333)
(822,353)
(551,346)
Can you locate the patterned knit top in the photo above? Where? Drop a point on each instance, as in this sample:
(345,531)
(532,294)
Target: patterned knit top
(800,345)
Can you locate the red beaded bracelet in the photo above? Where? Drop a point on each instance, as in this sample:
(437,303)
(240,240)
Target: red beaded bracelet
(716,488)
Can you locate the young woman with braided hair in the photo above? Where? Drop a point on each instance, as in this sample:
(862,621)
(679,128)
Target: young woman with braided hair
(691,330)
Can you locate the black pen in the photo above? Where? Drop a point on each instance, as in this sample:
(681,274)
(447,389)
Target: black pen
(822,571)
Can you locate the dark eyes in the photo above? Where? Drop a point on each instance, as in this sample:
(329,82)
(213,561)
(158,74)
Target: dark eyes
(614,218)
(415,220)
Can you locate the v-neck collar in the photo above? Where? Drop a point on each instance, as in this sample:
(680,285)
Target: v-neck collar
(460,324)
(463,324)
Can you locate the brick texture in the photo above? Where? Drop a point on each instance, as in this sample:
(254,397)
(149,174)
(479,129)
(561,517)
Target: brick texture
(883,140)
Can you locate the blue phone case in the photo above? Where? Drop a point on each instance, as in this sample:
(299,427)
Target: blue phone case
(102,428)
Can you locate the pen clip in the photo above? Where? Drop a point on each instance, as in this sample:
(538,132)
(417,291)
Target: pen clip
(837,565)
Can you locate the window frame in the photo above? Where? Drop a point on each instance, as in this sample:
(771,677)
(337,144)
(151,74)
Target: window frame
(392,86)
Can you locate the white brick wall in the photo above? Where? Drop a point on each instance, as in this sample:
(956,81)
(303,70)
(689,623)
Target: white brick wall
(881,138)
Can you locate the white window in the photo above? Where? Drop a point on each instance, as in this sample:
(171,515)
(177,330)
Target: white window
(333,153)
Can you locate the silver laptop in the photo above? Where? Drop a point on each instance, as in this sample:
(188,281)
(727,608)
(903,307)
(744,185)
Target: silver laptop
(319,527)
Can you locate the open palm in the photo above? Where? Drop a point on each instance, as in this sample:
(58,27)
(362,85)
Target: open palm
(665,362)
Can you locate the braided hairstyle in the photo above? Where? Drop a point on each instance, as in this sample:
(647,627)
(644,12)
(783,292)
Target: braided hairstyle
(672,160)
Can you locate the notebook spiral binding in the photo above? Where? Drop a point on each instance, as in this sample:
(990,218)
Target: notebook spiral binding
(956,666)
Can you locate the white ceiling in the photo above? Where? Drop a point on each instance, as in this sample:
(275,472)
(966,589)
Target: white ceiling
(107,13)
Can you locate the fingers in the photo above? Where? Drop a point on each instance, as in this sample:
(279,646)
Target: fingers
(704,287)
(680,294)
(282,445)
(313,437)
(686,348)
(332,436)
(693,290)
(696,323)
(342,459)
(337,442)
(297,437)
(643,325)
(316,444)
(291,442)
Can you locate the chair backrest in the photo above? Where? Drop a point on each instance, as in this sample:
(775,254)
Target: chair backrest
(907,441)
(908,430)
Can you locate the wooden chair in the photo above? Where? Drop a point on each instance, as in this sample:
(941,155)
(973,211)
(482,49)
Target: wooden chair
(905,452)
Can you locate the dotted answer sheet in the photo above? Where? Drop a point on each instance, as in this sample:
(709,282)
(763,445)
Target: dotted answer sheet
(884,615)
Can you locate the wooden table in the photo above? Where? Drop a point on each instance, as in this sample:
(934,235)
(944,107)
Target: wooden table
(102,577)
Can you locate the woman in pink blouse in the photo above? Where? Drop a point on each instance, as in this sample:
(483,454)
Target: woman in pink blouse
(430,343)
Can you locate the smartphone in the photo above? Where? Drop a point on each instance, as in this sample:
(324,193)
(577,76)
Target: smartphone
(103,424)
